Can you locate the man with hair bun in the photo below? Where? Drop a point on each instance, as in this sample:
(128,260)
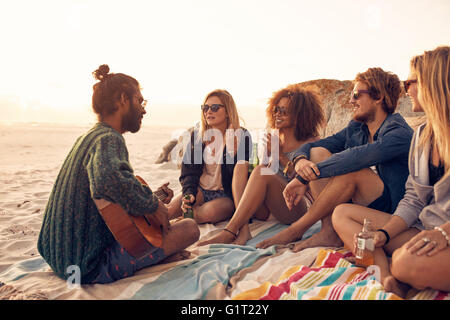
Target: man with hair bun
(73,232)
(365,163)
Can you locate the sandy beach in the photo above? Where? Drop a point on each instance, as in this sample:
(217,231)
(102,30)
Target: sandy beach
(30,158)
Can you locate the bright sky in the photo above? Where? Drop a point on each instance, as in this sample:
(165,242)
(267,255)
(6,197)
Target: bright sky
(179,50)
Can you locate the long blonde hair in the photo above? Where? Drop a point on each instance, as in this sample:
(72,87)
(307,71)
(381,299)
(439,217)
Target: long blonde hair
(227,100)
(433,77)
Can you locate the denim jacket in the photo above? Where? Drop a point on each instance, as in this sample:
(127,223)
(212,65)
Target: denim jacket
(352,152)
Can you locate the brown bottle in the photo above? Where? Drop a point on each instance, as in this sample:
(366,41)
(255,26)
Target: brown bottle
(365,245)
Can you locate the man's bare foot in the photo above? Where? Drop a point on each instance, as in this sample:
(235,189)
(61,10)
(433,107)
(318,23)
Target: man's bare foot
(285,236)
(177,256)
(222,237)
(391,284)
(325,238)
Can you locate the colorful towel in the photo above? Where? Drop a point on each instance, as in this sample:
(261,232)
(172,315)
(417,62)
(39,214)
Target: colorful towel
(331,277)
(218,272)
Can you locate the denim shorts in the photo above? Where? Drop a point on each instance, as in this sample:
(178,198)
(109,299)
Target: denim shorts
(209,195)
(117,263)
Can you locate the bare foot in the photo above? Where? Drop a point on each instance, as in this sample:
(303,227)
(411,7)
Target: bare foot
(392,285)
(325,238)
(177,256)
(243,236)
(222,237)
(283,237)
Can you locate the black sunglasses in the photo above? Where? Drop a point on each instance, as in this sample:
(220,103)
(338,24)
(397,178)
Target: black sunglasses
(281,110)
(214,107)
(357,93)
(407,83)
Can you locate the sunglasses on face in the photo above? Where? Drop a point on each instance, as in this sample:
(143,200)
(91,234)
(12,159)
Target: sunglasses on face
(407,83)
(214,107)
(281,110)
(357,93)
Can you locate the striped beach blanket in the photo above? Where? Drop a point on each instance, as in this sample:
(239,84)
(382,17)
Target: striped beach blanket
(331,277)
(219,272)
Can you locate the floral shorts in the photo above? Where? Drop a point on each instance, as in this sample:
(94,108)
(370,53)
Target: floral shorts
(117,263)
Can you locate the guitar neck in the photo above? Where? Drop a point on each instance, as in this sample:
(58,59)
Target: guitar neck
(160,194)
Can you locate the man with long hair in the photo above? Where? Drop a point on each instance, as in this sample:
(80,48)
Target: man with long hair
(73,234)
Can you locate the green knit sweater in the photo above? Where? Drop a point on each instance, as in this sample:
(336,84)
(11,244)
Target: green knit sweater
(73,232)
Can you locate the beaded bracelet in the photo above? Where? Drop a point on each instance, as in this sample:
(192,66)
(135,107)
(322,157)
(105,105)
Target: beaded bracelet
(444,234)
(287,167)
(298,158)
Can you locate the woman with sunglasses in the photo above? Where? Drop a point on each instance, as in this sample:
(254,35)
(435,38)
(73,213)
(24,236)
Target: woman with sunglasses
(418,233)
(297,115)
(214,170)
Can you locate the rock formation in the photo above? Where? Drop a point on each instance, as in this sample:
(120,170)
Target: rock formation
(335,96)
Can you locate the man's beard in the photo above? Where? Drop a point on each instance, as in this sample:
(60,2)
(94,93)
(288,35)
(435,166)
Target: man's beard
(131,121)
(365,117)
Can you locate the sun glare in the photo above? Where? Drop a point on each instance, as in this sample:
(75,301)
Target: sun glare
(180,50)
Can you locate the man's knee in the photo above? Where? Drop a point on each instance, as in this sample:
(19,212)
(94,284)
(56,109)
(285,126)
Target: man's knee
(319,154)
(360,176)
(181,235)
(340,215)
(192,230)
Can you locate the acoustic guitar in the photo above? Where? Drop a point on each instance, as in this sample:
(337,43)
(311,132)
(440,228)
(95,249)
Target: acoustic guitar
(136,234)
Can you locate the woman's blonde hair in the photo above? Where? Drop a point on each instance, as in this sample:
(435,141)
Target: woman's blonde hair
(230,107)
(433,77)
